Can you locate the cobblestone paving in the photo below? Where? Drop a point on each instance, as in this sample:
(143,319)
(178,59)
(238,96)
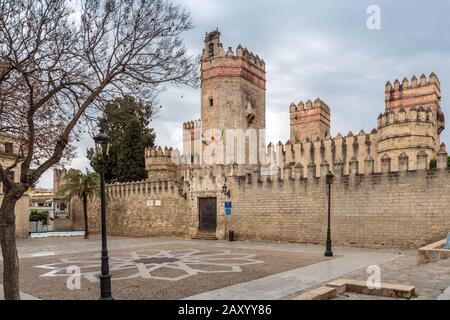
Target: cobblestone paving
(273,258)
(166,269)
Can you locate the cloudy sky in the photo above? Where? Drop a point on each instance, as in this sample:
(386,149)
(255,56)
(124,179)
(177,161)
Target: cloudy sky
(314,49)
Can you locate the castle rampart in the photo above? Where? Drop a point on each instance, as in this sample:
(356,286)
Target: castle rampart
(384,193)
(405,208)
(411,123)
(388,209)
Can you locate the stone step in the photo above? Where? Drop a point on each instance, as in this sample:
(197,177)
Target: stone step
(339,286)
(202,235)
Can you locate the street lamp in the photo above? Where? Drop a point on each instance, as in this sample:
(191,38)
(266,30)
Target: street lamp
(101,151)
(225,190)
(329,181)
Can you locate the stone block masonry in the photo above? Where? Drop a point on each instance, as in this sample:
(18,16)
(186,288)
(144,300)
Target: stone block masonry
(384,193)
(402,209)
(309,121)
(140,209)
(394,209)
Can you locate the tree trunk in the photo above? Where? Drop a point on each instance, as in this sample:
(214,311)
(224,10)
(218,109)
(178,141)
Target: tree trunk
(9,249)
(85,216)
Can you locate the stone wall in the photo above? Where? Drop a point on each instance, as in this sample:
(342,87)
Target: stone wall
(397,209)
(139,210)
(401,209)
(67,224)
(339,149)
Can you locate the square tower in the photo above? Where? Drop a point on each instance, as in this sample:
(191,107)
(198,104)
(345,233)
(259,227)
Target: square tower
(233,90)
(192,140)
(309,121)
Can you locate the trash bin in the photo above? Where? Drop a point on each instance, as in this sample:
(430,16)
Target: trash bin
(231,235)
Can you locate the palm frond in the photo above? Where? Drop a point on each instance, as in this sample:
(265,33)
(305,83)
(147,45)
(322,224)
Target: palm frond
(77,184)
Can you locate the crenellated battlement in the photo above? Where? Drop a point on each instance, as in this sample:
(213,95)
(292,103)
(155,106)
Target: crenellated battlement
(159,163)
(292,171)
(413,119)
(309,121)
(414,83)
(423,92)
(406,115)
(384,192)
(247,55)
(158,152)
(216,63)
(340,149)
(214,49)
(142,188)
(311,144)
(192,124)
(308,105)
(210,179)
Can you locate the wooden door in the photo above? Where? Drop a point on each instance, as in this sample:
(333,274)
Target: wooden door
(208,214)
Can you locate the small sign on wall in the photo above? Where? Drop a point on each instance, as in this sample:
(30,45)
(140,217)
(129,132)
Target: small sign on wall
(447,244)
(153,203)
(228,206)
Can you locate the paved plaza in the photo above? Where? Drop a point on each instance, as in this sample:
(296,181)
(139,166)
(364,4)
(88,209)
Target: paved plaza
(174,268)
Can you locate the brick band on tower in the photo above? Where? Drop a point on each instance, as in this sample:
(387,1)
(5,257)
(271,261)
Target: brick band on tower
(309,121)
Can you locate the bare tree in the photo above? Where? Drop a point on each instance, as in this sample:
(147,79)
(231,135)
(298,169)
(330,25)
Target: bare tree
(59,64)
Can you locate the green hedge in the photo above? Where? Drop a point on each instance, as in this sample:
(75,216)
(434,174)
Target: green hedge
(40,216)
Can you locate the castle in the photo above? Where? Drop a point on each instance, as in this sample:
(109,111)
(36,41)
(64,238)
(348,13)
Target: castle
(384,193)
(233,98)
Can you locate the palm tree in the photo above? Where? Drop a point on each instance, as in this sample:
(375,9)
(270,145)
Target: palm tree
(82,186)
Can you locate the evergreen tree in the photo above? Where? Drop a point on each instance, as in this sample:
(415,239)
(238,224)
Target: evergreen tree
(130,157)
(125,121)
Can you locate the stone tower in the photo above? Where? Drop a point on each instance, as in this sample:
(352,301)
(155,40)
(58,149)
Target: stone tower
(58,176)
(309,121)
(192,140)
(160,164)
(233,90)
(413,120)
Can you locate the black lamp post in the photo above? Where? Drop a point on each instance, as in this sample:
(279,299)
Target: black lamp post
(329,181)
(101,149)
